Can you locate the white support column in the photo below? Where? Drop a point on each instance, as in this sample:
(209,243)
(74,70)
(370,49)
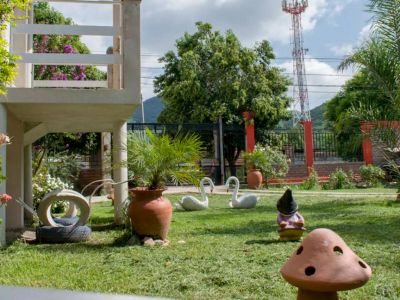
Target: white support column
(15,172)
(131,47)
(21,44)
(28,193)
(3,129)
(120,156)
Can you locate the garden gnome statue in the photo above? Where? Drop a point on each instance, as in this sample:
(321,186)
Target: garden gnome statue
(291,223)
(324,265)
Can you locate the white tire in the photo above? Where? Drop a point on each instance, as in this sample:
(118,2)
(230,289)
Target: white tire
(76,200)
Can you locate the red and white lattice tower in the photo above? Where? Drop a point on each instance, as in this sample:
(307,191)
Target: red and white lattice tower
(300,92)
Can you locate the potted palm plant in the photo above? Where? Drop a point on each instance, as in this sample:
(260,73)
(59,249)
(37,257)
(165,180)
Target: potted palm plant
(156,160)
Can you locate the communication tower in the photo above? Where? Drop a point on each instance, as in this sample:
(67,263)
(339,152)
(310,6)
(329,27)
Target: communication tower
(301,106)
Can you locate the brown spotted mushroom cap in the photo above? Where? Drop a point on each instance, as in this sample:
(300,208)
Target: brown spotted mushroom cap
(324,263)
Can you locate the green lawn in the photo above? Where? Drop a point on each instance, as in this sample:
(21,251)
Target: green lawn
(228,254)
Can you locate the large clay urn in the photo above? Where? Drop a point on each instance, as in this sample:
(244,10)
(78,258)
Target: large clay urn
(150,213)
(254,179)
(323,265)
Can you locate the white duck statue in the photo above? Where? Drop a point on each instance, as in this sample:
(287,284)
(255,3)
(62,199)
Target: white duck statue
(244,201)
(191,203)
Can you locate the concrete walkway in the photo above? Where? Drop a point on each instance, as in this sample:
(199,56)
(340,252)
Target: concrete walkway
(221,190)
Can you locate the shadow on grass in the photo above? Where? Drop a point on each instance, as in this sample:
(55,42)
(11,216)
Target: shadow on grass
(267,242)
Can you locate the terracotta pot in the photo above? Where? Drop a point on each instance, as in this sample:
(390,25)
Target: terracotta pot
(150,212)
(323,265)
(254,179)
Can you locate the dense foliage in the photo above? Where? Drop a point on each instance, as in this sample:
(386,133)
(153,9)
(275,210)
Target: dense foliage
(7,61)
(372,175)
(269,160)
(359,94)
(212,75)
(45,14)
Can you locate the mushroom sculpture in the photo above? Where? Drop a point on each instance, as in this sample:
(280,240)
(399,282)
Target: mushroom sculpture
(291,223)
(324,265)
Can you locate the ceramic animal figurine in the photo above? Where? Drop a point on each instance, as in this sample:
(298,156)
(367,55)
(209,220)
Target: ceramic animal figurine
(291,223)
(191,203)
(324,265)
(244,201)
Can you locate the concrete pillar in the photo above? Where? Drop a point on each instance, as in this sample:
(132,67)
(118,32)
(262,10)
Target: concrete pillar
(21,43)
(367,146)
(250,135)
(120,156)
(28,192)
(15,172)
(131,47)
(3,129)
(309,145)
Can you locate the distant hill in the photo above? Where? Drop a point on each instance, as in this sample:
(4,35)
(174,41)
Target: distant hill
(152,108)
(317,116)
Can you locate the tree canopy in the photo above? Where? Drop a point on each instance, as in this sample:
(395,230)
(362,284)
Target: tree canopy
(7,61)
(374,92)
(359,93)
(211,75)
(379,57)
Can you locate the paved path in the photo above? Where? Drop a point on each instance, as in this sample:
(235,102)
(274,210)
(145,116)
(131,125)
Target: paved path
(221,190)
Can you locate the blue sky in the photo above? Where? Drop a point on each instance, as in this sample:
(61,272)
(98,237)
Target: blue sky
(331,29)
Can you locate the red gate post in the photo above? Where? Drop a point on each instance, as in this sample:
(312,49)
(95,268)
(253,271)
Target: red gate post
(308,144)
(368,156)
(249,125)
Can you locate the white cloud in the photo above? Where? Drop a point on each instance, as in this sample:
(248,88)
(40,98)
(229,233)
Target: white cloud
(164,21)
(343,49)
(323,80)
(347,48)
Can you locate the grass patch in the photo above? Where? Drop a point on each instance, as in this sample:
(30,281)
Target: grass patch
(228,254)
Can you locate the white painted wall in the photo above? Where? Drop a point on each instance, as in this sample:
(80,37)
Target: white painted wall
(3,129)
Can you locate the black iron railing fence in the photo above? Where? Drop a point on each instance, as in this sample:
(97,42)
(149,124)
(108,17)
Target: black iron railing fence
(291,142)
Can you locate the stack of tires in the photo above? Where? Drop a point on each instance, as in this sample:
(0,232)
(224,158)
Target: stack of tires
(68,229)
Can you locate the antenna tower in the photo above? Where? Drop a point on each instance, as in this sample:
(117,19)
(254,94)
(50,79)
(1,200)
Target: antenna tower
(300,92)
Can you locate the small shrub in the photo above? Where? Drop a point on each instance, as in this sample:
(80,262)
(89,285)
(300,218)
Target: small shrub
(45,183)
(372,175)
(311,182)
(270,160)
(339,179)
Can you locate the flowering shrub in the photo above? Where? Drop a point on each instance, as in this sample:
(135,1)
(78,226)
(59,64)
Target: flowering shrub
(270,160)
(44,184)
(4,198)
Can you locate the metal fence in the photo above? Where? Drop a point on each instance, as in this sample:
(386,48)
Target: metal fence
(291,142)
(211,135)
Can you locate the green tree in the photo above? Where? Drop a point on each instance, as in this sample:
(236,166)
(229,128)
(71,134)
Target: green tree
(359,93)
(380,55)
(7,61)
(212,75)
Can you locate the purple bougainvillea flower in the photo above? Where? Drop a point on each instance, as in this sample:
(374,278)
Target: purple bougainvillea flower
(68,49)
(80,76)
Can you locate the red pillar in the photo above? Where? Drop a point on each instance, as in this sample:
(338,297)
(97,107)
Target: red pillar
(367,142)
(249,125)
(308,144)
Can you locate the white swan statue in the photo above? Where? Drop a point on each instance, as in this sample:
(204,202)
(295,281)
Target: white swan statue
(244,201)
(191,203)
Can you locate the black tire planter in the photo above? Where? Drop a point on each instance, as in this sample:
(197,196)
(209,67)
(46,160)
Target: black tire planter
(66,221)
(71,234)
